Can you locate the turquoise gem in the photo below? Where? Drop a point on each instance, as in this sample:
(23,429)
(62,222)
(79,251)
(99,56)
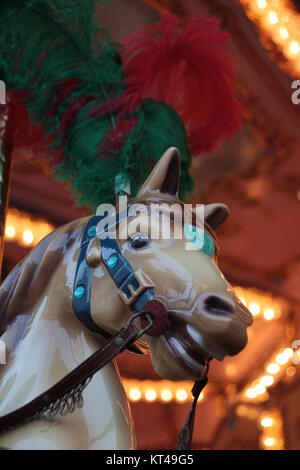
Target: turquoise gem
(113,261)
(79,292)
(92,231)
(208,246)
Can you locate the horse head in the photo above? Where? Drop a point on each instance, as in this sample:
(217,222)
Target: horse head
(205,317)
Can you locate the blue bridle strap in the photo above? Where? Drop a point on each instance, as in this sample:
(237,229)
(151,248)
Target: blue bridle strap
(121,272)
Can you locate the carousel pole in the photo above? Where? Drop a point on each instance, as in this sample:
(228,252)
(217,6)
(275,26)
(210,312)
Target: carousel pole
(6,142)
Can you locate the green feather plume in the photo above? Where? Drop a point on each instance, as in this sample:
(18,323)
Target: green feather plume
(71,79)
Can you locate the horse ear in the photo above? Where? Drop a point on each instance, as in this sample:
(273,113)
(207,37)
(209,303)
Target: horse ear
(93,253)
(164,176)
(215,214)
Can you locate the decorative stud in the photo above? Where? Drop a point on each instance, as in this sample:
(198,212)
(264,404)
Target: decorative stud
(208,246)
(112,261)
(159,315)
(92,231)
(79,292)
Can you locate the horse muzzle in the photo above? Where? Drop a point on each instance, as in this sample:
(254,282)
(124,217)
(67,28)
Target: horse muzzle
(220,323)
(214,328)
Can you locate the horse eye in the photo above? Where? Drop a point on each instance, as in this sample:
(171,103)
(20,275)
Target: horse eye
(139,241)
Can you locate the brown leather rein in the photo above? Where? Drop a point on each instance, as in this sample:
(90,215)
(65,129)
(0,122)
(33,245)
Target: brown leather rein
(63,397)
(66,395)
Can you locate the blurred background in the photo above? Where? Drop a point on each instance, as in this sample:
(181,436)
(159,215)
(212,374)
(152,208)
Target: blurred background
(252,401)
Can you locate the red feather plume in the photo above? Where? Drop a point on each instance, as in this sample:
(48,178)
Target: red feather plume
(189,70)
(26,137)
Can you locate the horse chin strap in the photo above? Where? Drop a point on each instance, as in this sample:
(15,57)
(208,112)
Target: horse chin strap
(186,434)
(159,317)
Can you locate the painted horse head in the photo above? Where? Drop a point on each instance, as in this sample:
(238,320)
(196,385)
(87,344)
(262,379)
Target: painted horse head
(205,318)
(45,339)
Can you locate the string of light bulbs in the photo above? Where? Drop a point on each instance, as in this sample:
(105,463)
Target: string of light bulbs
(279,24)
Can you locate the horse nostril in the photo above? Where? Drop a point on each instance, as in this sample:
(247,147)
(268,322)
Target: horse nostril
(217,305)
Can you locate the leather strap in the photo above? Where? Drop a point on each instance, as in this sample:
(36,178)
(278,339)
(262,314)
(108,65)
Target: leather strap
(81,302)
(186,434)
(84,372)
(121,272)
(76,378)
(123,275)
(83,280)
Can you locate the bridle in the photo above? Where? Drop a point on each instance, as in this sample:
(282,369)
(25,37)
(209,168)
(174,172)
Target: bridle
(134,290)
(138,294)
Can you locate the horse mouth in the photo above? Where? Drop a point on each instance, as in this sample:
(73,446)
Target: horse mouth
(191,358)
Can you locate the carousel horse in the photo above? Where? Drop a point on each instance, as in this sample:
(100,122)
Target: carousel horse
(47,332)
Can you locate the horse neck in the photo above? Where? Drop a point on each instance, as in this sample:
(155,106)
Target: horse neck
(53,340)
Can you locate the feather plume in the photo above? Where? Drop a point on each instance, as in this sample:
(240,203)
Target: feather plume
(73,105)
(66,82)
(189,70)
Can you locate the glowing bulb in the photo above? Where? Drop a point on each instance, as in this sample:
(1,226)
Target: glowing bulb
(166,394)
(254,308)
(181,394)
(260,389)
(294,47)
(267,380)
(281,359)
(273,18)
(150,394)
(283,32)
(201,396)
(285,356)
(28,237)
(10,231)
(251,393)
(135,394)
(269,441)
(266,422)
(269,314)
(261,4)
(273,368)
(288,353)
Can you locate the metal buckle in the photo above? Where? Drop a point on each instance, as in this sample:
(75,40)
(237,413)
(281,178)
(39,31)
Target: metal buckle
(146,328)
(144,283)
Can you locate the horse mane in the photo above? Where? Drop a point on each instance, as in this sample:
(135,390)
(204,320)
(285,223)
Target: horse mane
(25,284)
